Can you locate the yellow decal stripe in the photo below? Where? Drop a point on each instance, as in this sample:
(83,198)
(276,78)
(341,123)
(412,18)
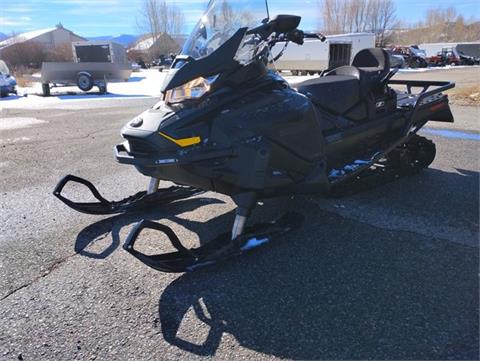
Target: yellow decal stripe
(186,142)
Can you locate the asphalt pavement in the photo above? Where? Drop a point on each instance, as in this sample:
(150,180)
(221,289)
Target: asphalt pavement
(389,273)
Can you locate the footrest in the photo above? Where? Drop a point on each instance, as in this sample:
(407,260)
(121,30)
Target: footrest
(217,250)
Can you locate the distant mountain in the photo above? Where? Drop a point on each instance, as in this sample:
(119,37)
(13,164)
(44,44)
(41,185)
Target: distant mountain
(3,36)
(124,39)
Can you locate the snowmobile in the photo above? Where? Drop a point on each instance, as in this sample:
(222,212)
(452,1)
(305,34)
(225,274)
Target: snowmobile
(229,124)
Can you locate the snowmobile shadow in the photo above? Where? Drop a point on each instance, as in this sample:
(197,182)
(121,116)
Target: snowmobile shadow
(113,225)
(335,289)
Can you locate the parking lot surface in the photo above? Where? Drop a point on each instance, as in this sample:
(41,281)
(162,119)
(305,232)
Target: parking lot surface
(389,273)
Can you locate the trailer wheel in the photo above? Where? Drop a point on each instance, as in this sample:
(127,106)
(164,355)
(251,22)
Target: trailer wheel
(295,72)
(46,89)
(85,82)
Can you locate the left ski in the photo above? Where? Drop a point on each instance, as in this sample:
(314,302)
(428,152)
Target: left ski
(217,250)
(135,203)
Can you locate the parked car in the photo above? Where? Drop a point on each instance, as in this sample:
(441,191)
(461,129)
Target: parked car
(7,81)
(413,56)
(448,56)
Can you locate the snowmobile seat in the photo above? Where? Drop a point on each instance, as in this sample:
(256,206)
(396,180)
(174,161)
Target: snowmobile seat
(336,93)
(370,66)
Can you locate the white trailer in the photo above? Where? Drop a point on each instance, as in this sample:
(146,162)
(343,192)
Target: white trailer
(315,56)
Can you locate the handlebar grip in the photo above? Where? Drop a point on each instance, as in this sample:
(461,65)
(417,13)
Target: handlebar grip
(319,36)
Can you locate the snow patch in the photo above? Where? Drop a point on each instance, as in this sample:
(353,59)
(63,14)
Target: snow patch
(19,123)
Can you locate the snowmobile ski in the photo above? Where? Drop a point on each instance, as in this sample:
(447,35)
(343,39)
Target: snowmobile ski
(137,202)
(217,250)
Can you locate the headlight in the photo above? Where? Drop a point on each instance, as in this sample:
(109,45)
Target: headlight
(191,90)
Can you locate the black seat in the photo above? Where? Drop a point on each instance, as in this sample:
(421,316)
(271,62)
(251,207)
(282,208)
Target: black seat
(336,93)
(370,66)
(351,90)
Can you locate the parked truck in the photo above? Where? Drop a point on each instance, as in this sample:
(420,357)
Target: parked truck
(95,64)
(316,56)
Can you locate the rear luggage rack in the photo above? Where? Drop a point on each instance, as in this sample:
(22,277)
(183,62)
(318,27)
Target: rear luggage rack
(410,99)
(428,104)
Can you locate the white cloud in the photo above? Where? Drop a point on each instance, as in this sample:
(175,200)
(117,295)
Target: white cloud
(21,21)
(17,8)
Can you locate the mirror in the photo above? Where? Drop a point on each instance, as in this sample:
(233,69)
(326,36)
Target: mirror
(285,23)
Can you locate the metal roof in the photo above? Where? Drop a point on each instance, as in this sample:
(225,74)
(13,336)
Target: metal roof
(20,38)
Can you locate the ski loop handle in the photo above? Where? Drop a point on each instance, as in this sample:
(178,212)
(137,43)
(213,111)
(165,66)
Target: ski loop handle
(71,178)
(146,224)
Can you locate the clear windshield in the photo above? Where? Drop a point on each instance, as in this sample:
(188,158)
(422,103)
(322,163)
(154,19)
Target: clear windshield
(221,20)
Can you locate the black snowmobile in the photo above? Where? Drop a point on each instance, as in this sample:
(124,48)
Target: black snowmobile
(228,124)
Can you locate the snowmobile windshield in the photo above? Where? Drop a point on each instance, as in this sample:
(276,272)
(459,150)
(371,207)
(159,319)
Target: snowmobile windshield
(221,20)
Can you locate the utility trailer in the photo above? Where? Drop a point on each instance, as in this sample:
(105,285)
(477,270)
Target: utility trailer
(315,56)
(96,64)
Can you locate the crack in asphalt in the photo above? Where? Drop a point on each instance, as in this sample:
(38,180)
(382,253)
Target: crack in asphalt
(55,265)
(49,270)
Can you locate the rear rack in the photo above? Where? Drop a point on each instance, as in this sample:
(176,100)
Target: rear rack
(425,96)
(417,102)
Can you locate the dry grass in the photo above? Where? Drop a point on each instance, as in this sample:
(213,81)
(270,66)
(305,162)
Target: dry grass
(465,95)
(22,82)
(22,75)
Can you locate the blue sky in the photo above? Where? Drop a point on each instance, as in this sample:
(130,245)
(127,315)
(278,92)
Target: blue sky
(115,17)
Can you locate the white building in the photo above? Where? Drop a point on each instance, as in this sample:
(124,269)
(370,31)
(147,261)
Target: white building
(164,45)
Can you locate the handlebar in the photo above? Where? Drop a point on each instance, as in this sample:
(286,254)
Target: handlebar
(298,36)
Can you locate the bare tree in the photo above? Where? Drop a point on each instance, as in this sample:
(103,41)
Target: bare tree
(384,19)
(158,17)
(439,16)
(24,54)
(159,21)
(341,16)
